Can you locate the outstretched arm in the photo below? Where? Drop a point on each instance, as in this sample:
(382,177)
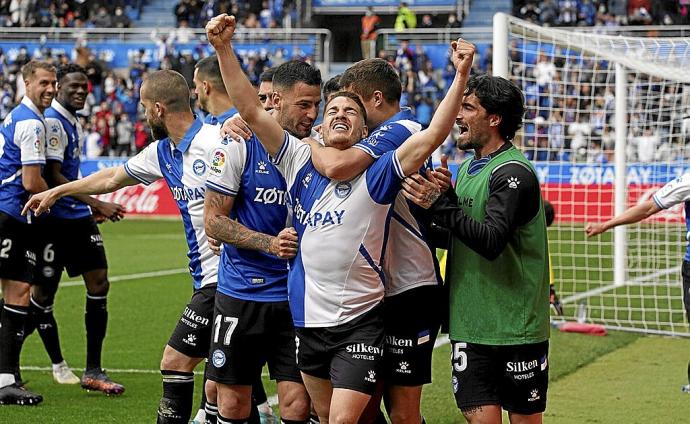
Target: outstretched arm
(54,177)
(104,181)
(217,207)
(421,145)
(635,214)
(219,31)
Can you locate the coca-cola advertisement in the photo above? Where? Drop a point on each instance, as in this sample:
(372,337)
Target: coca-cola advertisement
(154,200)
(595,202)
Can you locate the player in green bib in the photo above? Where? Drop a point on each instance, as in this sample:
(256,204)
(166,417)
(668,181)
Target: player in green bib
(498,268)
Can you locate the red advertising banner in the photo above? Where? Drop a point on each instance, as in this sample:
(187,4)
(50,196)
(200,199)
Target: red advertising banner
(154,200)
(594,202)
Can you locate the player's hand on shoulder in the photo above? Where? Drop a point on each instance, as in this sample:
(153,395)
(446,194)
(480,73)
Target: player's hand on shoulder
(220,29)
(284,245)
(462,55)
(312,142)
(421,191)
(236,129)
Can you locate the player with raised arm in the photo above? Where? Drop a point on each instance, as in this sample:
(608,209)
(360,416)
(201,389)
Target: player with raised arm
(246,191)
(22,147)
(213,98)
(671,194)
(413,281)
(340,226)
(498,267)
(70,239)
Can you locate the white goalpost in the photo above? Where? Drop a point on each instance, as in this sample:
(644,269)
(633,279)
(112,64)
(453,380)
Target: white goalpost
(607,124)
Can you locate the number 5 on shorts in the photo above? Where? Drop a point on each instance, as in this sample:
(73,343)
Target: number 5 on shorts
(459,357)
(228,333)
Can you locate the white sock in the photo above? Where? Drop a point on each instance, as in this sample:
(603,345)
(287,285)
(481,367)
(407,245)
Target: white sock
(200,416)
(265,408)
(56,366)
(6,379)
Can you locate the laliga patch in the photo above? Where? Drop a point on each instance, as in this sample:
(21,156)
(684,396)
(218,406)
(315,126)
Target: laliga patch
(218,161)
(218,358)
(53,141)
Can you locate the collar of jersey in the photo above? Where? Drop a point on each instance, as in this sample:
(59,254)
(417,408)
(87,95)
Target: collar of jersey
(64,112)
(183,145)
(404,114)
(225,115)
(28,103)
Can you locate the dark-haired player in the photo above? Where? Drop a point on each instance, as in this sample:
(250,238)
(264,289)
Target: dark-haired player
(498,267)
(71,240)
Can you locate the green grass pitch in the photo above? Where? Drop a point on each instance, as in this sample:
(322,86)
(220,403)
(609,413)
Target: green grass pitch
(621,378)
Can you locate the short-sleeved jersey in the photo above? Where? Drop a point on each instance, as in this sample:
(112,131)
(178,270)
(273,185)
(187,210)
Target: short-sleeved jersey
(245,172)
(184,168)
(673,193)
(410,260)
(336,275)
(22,142)
(64,136)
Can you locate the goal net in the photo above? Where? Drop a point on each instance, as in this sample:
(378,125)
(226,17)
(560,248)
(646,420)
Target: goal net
(607,124)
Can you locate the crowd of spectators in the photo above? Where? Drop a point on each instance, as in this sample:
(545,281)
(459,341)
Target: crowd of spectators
(571,110)
(250,14)
(603,12)
(112,119)
(570,103)
(67,14)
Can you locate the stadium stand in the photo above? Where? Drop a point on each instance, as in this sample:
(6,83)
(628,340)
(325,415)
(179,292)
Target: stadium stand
(424,69)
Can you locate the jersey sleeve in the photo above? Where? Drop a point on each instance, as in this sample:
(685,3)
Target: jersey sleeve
(384,177)
(56,140)
(227,165)
(29,135)
(291,157)
(386,138)
(673,192)
(145,167)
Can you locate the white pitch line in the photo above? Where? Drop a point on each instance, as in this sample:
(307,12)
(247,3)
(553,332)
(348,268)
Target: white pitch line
(634,281)
(112,370)
(72,283)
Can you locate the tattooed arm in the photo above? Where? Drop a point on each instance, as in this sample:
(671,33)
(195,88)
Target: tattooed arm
(217,207)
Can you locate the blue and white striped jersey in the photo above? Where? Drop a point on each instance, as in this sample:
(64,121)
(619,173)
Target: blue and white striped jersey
(184,168)
(64,136)
(675,192)
(409,260)
(244,171)
(336,275)
(22,142)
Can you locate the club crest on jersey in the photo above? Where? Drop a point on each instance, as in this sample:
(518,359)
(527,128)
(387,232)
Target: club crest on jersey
(199,167)
(343,189)
(218,161)
(261,168)
(218,358)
